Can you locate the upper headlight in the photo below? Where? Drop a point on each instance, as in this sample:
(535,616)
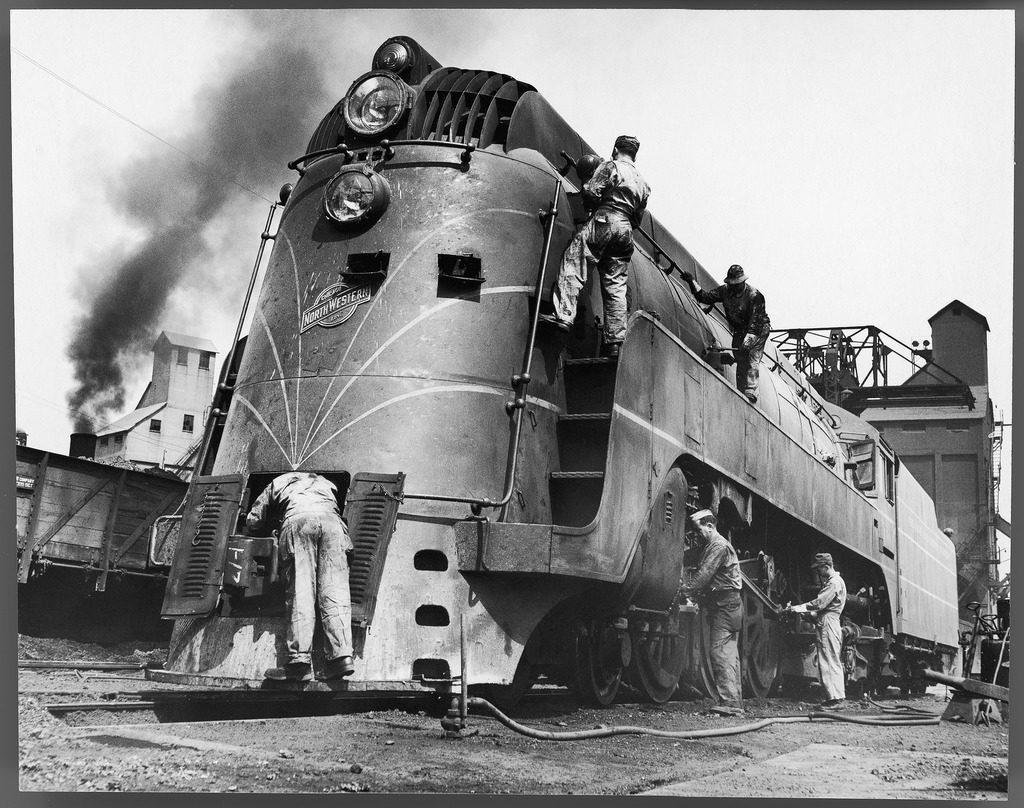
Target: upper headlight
(356,195)
(375,102)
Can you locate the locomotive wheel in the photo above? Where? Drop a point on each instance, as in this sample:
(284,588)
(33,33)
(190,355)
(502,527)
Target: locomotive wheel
(657,661)
(598,665)
(760,648)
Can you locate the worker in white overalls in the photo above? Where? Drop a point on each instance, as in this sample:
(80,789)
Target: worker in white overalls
(828,606)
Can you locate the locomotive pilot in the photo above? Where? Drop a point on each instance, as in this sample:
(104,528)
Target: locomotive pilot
(717,583)
(312,548)
(745,312)
(828,606)
(618,195)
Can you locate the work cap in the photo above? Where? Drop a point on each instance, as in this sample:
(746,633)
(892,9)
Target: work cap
(822,559)
(700,515)
(735,274)
(627,143)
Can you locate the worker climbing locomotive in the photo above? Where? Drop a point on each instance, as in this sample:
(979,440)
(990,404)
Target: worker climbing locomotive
(518,502)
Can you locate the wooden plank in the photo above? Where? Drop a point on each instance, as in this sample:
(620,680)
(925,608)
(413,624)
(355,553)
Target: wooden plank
(144,525)
(108,536)
(98,486)
(25,561)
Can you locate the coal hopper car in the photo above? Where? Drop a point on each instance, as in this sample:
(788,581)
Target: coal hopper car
(518,503)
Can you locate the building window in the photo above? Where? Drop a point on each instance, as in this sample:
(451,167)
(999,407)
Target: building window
(186,423)
(182,356)
(154,425)
(915,426)
(204,360)
(119,438)
(956,428)
(103,442)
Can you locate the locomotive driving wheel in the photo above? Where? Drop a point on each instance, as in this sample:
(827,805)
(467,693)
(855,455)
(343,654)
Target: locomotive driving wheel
(598,663)
(760,646)
(658,657)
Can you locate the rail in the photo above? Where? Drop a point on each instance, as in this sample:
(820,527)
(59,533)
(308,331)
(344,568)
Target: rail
(467,150)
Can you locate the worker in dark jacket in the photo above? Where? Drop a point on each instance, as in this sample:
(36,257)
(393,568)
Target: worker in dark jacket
(746,315)
(826,609)
(618,195)
(312,548)
(717,583)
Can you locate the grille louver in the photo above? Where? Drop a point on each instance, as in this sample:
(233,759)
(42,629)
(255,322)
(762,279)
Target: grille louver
(371,509)
(193,584)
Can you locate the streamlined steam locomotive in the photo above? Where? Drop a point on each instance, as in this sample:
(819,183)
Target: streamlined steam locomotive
(518,503)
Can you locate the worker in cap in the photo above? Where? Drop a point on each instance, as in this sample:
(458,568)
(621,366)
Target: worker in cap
(312,548)
(716,583)
(745,312)
(826,608)
(618,195)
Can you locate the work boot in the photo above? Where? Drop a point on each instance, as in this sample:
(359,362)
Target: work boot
(725,709)
(832,704)
(292,672)
(339,668)
(550,319)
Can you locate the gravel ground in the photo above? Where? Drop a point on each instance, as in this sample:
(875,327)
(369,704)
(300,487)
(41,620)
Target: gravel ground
(406,751)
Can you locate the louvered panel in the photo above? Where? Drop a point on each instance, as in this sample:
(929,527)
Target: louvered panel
(481,101)
(210,516)
(438,96)
(499,113)
(427,95)
(371,509)
(440,131)
(457,96)
(462,127)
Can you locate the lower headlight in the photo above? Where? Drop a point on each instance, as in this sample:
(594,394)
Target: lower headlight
(375,102)
(356,195)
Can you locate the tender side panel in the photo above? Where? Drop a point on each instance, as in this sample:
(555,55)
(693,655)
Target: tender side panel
(927,562)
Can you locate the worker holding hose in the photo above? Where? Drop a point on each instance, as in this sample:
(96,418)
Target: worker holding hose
(826,609)
(717,582)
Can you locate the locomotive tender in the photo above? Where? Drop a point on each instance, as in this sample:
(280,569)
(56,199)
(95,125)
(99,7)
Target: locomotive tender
(518,505)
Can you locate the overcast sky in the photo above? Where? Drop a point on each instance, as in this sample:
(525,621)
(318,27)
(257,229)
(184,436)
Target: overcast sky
(858,164)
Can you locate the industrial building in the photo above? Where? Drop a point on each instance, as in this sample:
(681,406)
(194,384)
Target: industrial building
(166,427)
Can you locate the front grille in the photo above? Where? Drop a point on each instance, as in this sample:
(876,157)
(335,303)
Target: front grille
(466,106)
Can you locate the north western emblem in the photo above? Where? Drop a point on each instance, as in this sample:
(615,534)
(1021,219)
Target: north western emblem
(334,305)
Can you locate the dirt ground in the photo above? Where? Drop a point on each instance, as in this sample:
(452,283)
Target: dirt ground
(405,750)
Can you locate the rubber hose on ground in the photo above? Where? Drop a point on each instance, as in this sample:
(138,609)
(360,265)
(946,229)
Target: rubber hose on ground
(605,732)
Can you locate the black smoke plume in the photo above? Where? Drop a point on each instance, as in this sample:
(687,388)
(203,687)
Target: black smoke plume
(251,124)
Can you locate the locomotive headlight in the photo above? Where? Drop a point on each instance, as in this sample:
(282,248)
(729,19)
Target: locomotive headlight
(375,102)
(393,55)
(356,195)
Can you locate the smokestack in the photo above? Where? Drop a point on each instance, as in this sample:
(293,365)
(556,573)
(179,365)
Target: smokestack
(83,444)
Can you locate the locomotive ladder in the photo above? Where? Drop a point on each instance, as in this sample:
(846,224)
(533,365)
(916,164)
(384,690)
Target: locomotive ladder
(583,440)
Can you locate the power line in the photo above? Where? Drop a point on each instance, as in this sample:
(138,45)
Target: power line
(126,119)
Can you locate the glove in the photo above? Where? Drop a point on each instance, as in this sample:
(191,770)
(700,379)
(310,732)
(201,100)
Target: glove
(749,340)
(798,609)
(687,276)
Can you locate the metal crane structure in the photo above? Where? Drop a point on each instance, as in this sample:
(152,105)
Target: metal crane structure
(849,366)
